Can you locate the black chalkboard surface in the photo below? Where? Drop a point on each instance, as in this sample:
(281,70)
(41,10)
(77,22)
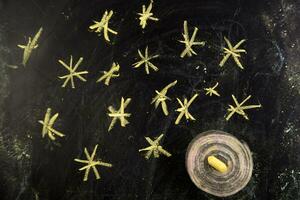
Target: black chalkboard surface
(33,167)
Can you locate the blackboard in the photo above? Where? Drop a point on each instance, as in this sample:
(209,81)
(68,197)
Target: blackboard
(33,167)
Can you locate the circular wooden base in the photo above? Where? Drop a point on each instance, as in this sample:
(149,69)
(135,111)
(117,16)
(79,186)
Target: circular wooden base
(228,149)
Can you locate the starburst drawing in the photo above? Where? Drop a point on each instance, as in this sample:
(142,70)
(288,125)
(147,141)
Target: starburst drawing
(184,109)
(145,59)
(212,90)
(239,108)
(189,42)
(146,15)
(119,114)
(102,25)
(234,52)
(155,148)
(91,163)
(48,123)
(30,46)
(161,97)
(73,73)
(112,73)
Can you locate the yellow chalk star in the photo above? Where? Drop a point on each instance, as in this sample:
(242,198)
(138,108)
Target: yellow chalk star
(30,46)
(184,110)
(155,148)
(189,42)
(119,114)
(48,123)
(161,98)
(102,25)
(110,74)
(146,15)
(73,73)
(91,163)
(146,60)
(211,90)
(239,108)
(234,52)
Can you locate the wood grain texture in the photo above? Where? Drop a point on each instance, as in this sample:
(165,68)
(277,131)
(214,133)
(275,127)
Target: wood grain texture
(231,151)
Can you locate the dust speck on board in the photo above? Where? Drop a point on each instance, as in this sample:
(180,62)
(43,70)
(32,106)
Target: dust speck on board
(289,181)
(290,135)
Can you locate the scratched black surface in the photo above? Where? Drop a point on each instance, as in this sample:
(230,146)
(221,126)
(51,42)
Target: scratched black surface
(34,168)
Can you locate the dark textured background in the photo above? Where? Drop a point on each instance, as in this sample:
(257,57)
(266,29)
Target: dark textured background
(34,168)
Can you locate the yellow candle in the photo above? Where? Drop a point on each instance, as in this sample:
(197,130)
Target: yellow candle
(217,164)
